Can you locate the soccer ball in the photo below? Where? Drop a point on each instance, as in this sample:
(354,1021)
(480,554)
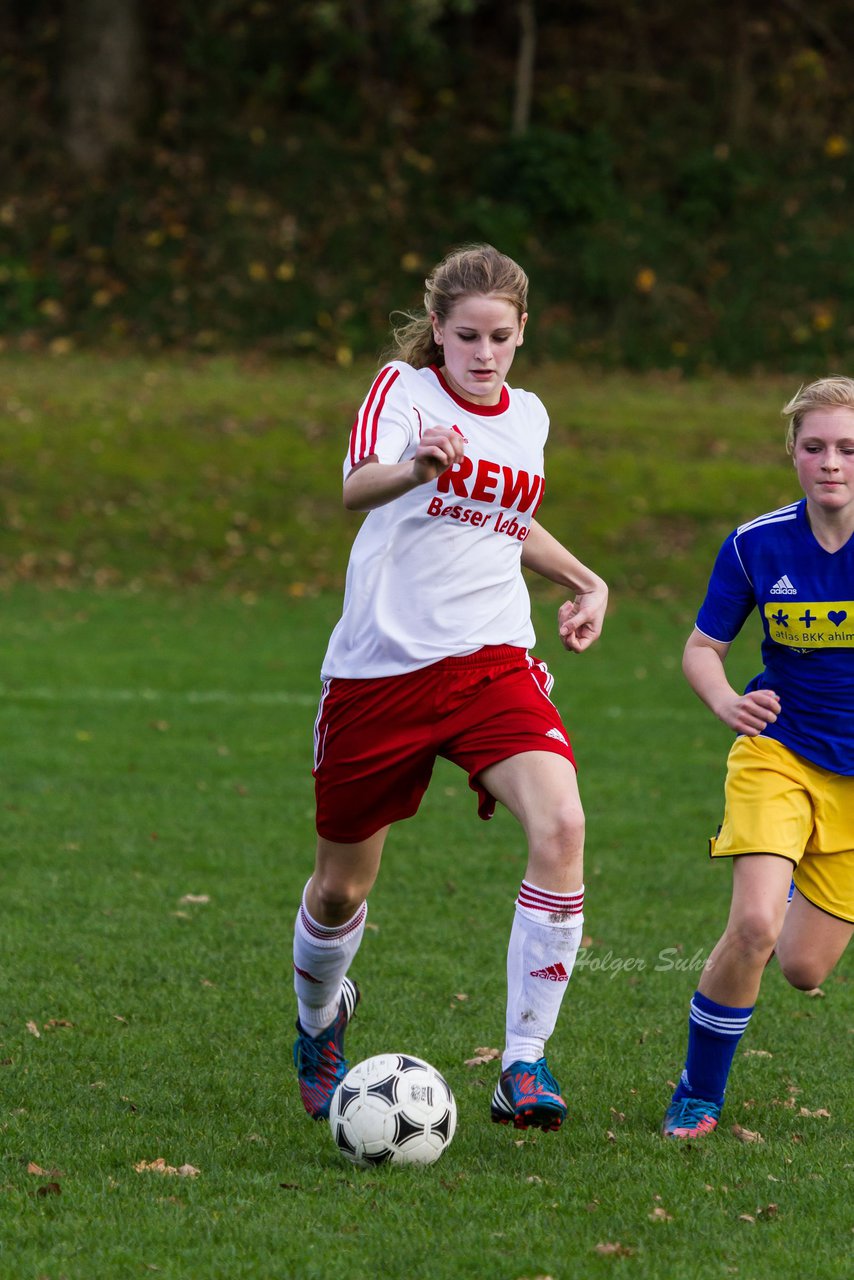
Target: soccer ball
(392,1109)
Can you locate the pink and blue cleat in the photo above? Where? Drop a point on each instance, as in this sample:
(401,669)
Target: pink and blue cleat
(690,1118)
(528,1097)
(320,1060)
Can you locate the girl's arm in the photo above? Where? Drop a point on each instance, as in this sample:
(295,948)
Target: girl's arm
(703,665)
(579,620)
(372,483)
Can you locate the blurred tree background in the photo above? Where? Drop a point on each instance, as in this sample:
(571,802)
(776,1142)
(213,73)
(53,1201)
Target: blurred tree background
(276,177)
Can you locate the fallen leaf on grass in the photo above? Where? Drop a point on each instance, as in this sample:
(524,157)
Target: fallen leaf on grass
(746,1217)
(613,1248)
(33,1029)
(49,1189)
(194,899)
(160,1166)
(38,1172)
(482,1055)
(815,992)
(757,1053)
(57,1022)
(746,1135)
(768,1211)
(822,1111)
(660,1215)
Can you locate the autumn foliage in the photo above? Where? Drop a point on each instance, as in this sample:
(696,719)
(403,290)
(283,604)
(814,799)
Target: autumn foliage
(679,191)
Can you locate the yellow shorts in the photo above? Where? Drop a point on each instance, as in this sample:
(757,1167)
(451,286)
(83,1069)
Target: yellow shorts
(778,802)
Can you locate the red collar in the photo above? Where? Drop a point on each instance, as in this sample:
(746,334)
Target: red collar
(483,410)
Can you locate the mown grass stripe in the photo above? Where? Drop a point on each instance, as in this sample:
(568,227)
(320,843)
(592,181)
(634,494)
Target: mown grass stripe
(199,697)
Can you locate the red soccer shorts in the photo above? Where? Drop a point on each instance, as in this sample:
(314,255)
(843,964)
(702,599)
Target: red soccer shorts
(376,741)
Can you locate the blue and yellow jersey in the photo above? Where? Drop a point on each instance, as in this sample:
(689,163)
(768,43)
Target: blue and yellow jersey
(805,598)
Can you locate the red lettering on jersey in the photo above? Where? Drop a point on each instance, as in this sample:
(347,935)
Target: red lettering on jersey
(455,478)
(483,489)
(520,489)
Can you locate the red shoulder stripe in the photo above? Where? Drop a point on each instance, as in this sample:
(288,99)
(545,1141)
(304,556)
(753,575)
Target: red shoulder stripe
(363,434)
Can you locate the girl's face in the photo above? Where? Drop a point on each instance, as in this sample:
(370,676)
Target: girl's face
(479,339)
(824,459)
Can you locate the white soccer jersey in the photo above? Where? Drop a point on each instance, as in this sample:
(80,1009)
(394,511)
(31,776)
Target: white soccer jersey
(436,572)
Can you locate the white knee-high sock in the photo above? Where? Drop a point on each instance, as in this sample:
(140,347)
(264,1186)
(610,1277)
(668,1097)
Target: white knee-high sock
(544,942)
(322,957)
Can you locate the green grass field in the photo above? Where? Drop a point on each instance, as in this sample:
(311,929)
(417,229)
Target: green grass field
(227,474)
(158,685)
(157,833)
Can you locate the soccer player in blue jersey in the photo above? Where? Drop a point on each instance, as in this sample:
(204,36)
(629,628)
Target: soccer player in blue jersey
(789,792)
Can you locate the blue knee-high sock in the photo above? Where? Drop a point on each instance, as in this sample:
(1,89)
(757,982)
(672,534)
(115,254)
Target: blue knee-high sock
(714,1031)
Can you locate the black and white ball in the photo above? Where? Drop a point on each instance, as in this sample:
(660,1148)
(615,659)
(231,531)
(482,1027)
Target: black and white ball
(393,1109)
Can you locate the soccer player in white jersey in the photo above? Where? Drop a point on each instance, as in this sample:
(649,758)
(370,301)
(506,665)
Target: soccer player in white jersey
(431,658)
(789,792)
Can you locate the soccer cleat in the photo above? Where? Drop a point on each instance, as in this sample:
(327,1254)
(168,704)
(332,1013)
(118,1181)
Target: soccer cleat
(320,1060)
(528,1097)
(690,1118)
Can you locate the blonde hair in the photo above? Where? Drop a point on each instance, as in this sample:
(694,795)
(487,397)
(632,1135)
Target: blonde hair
(477,269)
(825,393)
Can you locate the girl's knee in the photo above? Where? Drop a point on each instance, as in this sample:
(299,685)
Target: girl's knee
(802,971)
(801,977)
(556,854)
(335,897)
(754,935)
(566,827)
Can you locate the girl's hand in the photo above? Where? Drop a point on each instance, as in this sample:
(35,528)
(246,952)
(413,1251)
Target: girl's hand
(580,620)
(438,449)
(750,713)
